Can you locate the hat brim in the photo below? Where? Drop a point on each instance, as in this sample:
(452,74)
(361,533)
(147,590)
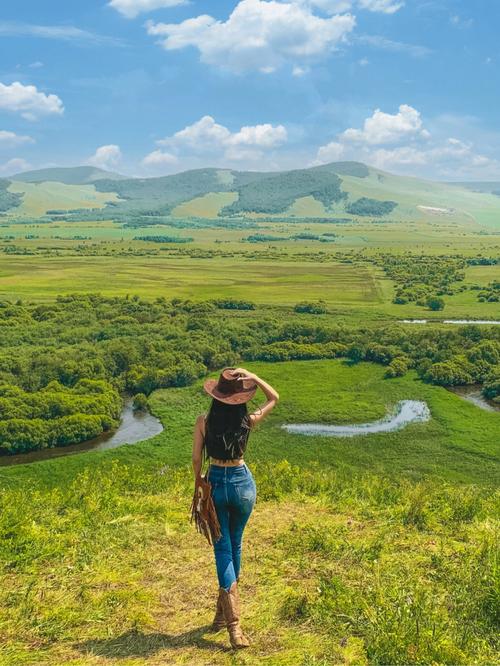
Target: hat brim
(210,386)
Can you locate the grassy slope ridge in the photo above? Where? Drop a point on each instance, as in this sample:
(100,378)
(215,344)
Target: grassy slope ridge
(359,552)
(80,175)
(331,188)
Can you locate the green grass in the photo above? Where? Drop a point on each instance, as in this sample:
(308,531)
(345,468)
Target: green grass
(40,197)
(355,291)
(283,282)
(373,550)
(207,206)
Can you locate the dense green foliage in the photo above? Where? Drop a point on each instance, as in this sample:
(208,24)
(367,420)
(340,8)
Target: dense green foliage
(313,308)
(8,199)
(277,192)
(138,346)
(165,239)
(422,277)
(366,207)
(55,415)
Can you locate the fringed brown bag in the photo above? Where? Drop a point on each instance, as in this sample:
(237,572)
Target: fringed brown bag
(203,510)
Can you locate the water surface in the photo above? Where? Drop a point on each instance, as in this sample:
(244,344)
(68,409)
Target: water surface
(473,394)
(135,426)
(405,412)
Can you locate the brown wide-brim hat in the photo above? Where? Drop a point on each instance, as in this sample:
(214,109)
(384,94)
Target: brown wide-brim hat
(231,389)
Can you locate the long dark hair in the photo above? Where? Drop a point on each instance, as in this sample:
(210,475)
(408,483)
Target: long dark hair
(227,428)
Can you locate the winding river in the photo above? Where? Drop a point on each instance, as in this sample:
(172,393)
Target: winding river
(135,426)
(405,412)
(473,394)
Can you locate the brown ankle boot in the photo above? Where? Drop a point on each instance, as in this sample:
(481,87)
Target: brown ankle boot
(231,608)
(219,622)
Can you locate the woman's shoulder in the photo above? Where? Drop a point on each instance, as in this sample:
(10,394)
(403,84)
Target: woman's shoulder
(201,420)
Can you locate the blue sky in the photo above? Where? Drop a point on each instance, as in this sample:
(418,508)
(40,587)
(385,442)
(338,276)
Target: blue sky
(149,87)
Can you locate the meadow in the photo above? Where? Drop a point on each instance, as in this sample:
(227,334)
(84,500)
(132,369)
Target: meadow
(370,550)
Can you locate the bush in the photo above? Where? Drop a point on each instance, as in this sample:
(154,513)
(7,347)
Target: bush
(312,308)
(397,368)
(140,402)
(435,303)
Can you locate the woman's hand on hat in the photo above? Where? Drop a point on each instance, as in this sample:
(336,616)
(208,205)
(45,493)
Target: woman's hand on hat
(244,374)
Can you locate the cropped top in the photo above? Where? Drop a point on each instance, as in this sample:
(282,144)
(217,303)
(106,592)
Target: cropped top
(225,445)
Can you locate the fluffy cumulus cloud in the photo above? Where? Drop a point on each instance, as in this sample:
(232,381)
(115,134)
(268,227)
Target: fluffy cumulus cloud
(258,35)
(132,8)
(159,159)
(206,140)
(401,143)
(206,136)
(29,101)
(13,166)
(106,157)
(388,128)
(9,139)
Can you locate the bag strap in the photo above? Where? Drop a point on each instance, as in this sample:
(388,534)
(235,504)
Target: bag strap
(205,459)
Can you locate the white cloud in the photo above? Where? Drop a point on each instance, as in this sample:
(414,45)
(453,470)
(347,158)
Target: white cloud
(66,33)
(28,101)
(13,166)
(300,71)
(12,139)
(106,157)
(158,159)
(132,8)
(328,6)
(204,133)
(399,142)
(332,152)
(387,128)
(258,35)
(205,136)
(449,157)
(383,6)
(263,136)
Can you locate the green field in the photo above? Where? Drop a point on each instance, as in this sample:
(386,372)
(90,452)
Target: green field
(108,569)
(351,290)
(283,282)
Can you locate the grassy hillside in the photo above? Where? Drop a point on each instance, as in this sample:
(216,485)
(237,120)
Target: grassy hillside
(81,175)
(38,198)
(360,551)
(345,189)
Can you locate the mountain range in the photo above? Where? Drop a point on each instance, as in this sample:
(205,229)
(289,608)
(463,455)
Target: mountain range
(347,190)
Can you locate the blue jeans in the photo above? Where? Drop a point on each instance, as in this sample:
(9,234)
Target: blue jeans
(234,494)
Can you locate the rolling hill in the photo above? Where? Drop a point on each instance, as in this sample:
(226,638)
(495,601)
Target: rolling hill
(80,175)
(340,190)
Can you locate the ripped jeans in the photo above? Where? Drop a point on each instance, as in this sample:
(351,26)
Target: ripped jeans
(234,494)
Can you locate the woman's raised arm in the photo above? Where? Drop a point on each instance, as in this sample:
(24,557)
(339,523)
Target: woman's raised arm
(271,394)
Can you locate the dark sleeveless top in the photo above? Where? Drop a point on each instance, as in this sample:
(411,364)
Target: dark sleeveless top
(224,447)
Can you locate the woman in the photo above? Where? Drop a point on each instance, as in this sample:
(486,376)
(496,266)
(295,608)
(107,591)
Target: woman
(222,436)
